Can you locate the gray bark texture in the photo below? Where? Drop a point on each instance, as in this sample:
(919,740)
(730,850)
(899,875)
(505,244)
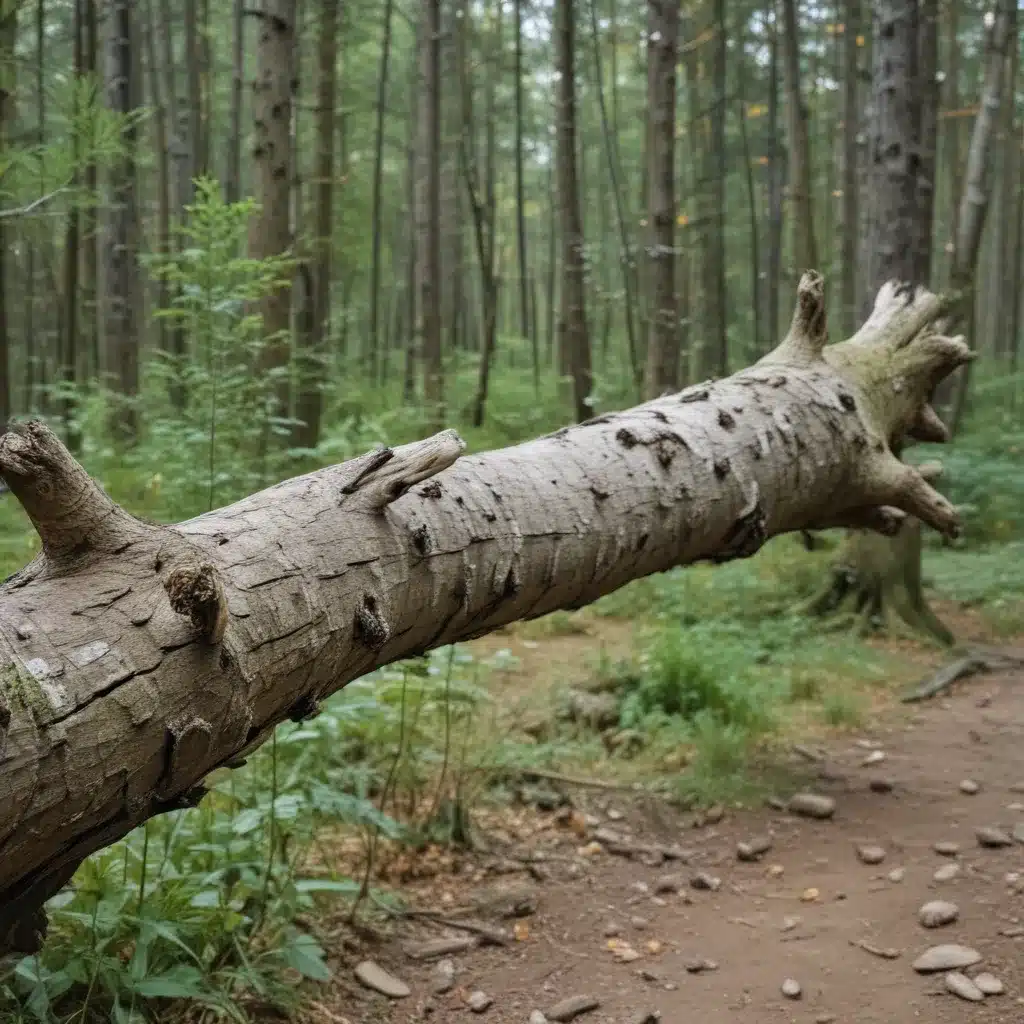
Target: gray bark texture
(136,658)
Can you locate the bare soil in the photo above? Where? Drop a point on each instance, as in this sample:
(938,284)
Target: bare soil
(763,925)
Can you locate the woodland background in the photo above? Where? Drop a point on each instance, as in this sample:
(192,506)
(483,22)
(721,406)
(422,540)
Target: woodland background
(238,242)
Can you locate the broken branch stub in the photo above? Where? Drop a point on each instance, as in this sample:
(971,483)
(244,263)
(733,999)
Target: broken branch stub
(135,658)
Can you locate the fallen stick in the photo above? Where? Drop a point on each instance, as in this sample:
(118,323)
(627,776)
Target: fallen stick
(977,659)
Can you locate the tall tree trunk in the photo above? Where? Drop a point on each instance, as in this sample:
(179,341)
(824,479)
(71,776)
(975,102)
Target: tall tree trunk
(776,209)
(527,328)
(662,55)
(627,259)
(850,179)
(573,336)
(233,170)
(804,251)
(428,209)
(270,231)
(260,611)
(748,174)
(950,135)
(714,353)
(8,81)
(309,401)
(89,242)
(123,293)
(927,99)
(164,243)
(376,229)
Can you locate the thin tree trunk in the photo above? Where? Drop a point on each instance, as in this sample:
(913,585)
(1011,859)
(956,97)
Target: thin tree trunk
(662,55)
(270,232)
(804,248)
(89,241)
(164,245)
(233,173)
(527,328)
(574,339)
(378,185)
(311,369)
(850,180)
(629,286)
(428,205)
(776,209)
(123,293)
(260,611)
(748,168)
(8,84)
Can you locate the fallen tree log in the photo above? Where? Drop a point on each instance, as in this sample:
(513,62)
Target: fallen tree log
(136,658)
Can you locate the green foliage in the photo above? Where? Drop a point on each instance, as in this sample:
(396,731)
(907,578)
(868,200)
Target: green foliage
(206,905)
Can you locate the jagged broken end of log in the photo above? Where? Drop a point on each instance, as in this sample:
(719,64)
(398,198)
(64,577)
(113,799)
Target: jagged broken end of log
(893,364)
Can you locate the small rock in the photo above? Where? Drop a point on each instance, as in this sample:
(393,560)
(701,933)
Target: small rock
(706,882)
(789,923)
(946,848)
(992,838)
(639,923)
(866,744)
(699,966)
(988,984)
(875,757)
(897,874)
(969,787)
(870,854)
(641,887)
(611,929)
(374,976)
(812,805)
(434,948)
(479,1002)
(646,1016)
(947,872)
(937,913)
(881,785)
(614,814)
(962,986)
(810,895)
(949,957)
(668,883)
(536,1017)
(714,814)
(753,849)
(1016,807)
(1012,931)
(791,989)
(571,1008)
(443,979)
(776,870)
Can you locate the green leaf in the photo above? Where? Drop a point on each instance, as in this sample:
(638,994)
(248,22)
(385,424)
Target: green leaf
(304,954)
(179,982)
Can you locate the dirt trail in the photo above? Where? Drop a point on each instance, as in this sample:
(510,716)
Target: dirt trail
(976,734)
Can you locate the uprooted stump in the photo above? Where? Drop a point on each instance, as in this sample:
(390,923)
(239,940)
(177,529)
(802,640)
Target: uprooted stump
(136,658)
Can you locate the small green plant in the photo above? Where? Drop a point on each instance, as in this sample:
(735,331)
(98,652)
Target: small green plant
(842,709)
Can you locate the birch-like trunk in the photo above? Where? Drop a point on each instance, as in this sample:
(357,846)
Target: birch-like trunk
(136,658)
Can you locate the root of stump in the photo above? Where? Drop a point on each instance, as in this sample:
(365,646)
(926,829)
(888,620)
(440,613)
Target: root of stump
(876,586)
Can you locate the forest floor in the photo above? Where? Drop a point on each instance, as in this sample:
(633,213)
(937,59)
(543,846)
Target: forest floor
(712,938)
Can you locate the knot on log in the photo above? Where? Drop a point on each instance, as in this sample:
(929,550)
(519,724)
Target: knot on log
(387,474)
(70,512)
(195,592)
(808,332)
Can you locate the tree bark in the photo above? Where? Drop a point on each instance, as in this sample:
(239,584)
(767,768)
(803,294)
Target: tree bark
(8,38)
(233,170)
(311,369)
(270,232)
(804,250)
(850,179)
(123,292)
(428,212)
(662,55)
(137,658)
(574,338)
